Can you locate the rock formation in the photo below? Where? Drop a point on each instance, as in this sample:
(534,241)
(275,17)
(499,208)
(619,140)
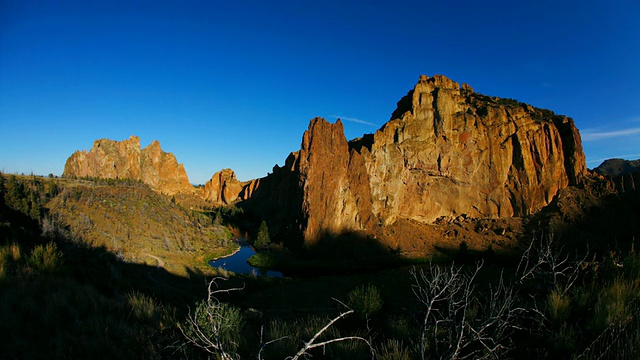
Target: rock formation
(125,160)
(223,188)
(446,152)
(622,175)
(615,167)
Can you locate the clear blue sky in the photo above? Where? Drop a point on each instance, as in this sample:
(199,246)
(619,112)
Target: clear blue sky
(234,83)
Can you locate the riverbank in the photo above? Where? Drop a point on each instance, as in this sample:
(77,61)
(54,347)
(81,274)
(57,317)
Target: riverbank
(223,256)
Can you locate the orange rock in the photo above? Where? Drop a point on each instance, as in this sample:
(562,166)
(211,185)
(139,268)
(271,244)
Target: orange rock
(111,159)
(445,152)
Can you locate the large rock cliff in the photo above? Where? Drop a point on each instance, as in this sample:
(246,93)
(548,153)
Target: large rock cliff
(446,152)
(111,159)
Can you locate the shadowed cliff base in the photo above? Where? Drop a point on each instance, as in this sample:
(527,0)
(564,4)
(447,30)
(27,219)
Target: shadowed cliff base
(332,254)
(600,216)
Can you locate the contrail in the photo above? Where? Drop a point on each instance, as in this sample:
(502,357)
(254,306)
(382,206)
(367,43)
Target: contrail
(598,135)
(355,120)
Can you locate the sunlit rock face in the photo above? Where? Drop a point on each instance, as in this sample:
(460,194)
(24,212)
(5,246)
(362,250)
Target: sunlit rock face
(223,188)
(446,152)
(110,159)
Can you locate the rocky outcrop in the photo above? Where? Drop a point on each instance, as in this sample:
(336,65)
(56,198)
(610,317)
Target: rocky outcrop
(111,159)
(616,167)
(446,152)
(223,188)
(622,175)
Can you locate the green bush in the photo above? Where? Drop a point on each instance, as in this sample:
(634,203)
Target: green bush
(46,259)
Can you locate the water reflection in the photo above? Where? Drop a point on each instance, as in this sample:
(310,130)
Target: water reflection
(238,264)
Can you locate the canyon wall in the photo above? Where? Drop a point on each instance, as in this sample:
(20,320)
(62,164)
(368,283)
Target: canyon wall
(446,152)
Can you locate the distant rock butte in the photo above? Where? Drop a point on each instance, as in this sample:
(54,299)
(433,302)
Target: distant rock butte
(125,160)
(225,188)
(446,152)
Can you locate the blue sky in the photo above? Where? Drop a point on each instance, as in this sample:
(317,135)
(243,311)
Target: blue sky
(233,84)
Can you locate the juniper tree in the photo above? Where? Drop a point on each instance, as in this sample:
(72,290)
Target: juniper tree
(262,240)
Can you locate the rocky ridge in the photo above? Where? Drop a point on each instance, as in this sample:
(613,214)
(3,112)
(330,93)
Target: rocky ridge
(446,153)
(622,175)
(617,167)
(125,159)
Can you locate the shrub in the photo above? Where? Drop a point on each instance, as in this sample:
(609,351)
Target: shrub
(143,307)
(365,301)
(9,254)
(46,258)
(614,304)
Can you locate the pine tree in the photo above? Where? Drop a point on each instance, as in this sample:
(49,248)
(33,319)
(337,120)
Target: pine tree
(263,240)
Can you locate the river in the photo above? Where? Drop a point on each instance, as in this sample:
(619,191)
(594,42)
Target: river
(238,264)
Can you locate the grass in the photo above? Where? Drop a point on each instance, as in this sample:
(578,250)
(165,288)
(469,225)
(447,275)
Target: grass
(615,303)
(46,258)
(143,307)
(365,300)
(558,306)
(92,302)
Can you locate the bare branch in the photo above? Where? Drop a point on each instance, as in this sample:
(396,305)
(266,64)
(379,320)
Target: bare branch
(311,343)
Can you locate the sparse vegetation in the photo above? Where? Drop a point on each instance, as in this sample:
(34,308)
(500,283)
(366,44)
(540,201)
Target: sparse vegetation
(95,300)
(46,258)
(365,300)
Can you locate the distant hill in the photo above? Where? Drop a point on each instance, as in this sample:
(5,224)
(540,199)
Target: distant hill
(616,167)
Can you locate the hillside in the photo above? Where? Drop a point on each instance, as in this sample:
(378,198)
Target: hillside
(124,217)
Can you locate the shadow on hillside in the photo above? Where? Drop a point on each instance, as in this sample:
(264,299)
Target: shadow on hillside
(590,218)
(337,253)
(94,267)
